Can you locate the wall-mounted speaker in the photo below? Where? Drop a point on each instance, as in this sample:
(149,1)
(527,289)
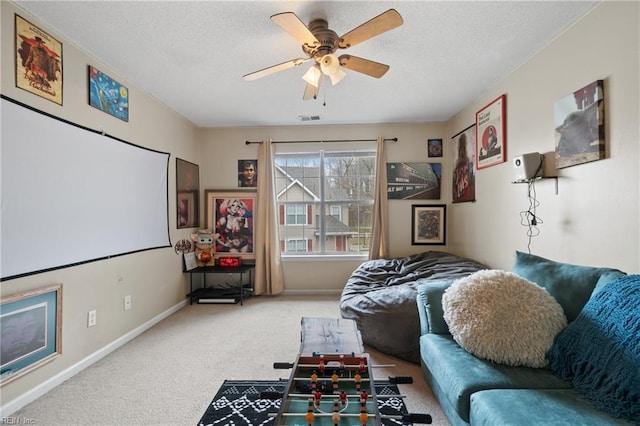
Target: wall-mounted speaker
(528,166)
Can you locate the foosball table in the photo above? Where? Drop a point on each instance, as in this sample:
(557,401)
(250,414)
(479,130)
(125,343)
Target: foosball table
(332,381)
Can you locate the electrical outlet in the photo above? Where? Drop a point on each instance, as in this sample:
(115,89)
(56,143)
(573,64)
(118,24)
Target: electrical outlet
(127,302)
(92,318)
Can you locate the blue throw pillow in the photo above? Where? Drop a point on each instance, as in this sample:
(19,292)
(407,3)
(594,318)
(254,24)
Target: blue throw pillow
(571,285)
(599,353)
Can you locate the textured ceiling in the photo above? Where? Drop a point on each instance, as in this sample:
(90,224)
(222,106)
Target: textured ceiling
(191,55)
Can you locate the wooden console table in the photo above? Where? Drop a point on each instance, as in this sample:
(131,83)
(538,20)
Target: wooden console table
(207,294)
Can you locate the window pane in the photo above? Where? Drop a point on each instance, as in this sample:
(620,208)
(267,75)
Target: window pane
(326,200)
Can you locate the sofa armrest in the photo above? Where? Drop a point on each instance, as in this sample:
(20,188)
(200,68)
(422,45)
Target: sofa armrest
(429,301)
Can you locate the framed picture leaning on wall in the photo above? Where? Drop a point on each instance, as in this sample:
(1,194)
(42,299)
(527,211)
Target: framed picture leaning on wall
(31,326)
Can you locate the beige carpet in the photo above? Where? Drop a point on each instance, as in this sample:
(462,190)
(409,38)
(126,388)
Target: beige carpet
(169,374)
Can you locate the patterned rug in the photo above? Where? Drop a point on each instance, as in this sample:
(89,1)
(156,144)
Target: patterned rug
(238,403)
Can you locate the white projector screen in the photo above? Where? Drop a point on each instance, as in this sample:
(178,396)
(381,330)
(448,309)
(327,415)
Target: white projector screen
(71,195)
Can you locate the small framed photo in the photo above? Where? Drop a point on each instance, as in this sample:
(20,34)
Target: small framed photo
(190,261)
(231,217)
(247,173)
(428,224)
(31,324)
(434,147)
(491,134)
(38,61)
(108,95)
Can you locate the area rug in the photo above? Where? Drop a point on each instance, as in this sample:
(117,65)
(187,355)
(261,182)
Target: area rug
(238,402)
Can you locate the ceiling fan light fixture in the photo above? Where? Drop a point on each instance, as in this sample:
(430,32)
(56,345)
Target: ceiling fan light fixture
(330,65)
(313,75)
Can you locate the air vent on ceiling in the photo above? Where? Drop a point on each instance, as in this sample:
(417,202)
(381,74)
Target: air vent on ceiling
(308,117)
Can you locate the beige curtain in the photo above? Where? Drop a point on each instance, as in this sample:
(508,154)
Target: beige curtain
(379,242)
(269,277)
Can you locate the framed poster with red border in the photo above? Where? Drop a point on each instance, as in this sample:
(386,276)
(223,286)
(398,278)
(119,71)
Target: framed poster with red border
(491,136)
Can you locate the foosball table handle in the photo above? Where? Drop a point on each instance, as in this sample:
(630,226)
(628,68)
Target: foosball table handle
(401,380)
(421,419)
(282,365)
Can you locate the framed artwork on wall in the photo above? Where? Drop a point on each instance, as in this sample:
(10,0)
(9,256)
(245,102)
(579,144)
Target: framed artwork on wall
(491,134)
(428,224)
(413,181)
(31,325)
(247,173)
(231,216)
(108,95)
(579,126)
(38,61)
(464,173)
(187,194)
(434,147)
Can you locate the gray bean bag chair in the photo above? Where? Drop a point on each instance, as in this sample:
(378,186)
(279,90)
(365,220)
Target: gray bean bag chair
(381,295)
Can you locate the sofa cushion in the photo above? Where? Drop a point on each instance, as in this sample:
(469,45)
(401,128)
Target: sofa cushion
(599,353)
(571,285)
(430,297)
(459,374)
(502,317)
(549,407)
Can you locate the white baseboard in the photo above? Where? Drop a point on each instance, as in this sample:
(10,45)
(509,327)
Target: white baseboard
(14,405)
(328,292)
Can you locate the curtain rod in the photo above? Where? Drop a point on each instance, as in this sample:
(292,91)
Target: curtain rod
(334,140)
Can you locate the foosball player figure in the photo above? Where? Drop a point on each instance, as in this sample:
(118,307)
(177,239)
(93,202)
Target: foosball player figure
(342,365)
(364,417)
(358,381)
(336,413)
(309,416)
(343,398)
(334,382)
(321,365)
(361,366)
(314,381)
(317,397)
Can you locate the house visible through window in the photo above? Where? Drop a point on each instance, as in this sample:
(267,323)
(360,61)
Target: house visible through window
(325,200)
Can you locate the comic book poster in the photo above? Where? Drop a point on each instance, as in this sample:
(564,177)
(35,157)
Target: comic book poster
(38,61)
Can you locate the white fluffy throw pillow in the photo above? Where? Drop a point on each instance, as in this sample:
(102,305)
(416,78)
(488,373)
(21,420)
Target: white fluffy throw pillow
(502,317)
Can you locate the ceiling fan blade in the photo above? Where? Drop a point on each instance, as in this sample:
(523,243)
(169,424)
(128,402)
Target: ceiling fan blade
(365,66)
(274,69)
(290,22)
(384,22)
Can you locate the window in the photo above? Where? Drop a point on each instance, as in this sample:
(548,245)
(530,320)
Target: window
(296,246)
(296,214)
(336,211)
(325,200)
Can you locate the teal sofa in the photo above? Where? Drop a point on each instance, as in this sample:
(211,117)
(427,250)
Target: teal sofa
(475,391)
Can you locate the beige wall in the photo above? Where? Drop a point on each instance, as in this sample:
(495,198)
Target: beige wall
(314,274)
(594,218)
(153,278)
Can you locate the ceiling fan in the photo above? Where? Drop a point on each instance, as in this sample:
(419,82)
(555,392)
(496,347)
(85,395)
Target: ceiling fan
(319,43)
